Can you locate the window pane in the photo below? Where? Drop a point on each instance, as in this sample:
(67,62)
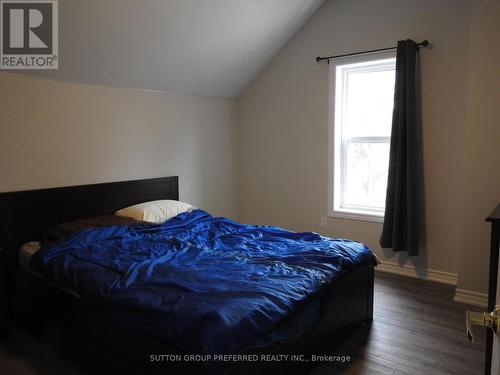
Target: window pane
(368,103)
(365,175)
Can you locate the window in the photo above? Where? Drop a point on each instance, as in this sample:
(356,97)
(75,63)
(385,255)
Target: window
(362,98)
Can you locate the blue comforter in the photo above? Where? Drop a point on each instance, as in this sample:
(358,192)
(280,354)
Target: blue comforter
(200,283)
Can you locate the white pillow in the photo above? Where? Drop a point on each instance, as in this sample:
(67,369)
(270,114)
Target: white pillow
(155,211)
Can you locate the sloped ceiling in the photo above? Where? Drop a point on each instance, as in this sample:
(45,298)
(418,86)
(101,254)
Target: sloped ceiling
(198,47)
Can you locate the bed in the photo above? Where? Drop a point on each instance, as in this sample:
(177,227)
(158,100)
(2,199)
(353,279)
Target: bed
(95,338)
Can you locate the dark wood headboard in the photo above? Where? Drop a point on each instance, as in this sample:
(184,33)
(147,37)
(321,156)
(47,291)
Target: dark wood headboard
(25,214)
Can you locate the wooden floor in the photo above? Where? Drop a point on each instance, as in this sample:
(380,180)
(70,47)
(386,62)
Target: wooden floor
(417,329)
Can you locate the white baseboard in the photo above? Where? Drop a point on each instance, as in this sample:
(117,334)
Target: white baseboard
(470,297)
(418,273)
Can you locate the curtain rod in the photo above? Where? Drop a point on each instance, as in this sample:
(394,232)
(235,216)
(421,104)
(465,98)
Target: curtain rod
(424,43)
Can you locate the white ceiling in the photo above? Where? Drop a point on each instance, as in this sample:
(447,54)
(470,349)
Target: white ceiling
(199,47)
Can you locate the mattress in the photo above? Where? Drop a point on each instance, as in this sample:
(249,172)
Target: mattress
(230,284)
(26,252)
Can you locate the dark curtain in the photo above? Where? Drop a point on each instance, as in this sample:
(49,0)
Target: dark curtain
(400,228)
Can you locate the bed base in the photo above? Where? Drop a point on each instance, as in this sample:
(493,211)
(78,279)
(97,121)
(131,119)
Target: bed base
(90,338)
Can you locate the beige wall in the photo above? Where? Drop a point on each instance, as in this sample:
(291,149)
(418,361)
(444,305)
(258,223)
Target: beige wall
(268,163)
(481,179)
(55,134)
(282,122)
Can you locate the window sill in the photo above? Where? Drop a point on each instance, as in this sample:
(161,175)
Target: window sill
(357,215)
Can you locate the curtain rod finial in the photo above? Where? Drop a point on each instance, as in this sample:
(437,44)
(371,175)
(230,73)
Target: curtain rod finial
(425,43)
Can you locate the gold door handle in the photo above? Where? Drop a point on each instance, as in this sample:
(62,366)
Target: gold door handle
(489,320)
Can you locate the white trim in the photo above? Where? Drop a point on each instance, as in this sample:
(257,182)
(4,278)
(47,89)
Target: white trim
(418,273)
(468,297)
(358,215)
(471,297)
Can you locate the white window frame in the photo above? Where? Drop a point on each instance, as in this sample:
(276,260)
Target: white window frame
(336,164)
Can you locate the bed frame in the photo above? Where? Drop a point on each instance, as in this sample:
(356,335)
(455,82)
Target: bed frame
(91,338)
